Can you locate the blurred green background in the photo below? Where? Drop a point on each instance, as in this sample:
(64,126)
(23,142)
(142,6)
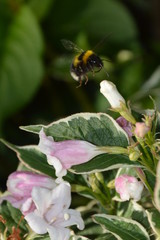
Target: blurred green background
(35,83)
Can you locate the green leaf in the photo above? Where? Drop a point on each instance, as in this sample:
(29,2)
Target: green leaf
(99,129)
(91,230)
(157,188)
(40,8)
(21,67)
(13,217)
(149,87)
(104,162)
(32,158)
(134,211)
(153,218)
(106,236)
(111,17)
(125,229)
(83,190)
(42,237)
(150,179)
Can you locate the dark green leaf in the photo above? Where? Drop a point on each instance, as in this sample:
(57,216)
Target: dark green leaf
(21,67)
(32,158)
(40,8)
(113,18)
(106,236)
(104,162)
(154,217)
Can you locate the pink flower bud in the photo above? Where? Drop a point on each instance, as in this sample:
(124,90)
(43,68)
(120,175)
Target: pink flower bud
(141,129)
(128,187)
(63,155)
(20,185)
(127,127)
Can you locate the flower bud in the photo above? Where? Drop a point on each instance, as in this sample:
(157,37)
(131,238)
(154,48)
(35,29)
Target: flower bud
(100,177)
(134,155)
(109,90)
(127,127)
(128,187)
(141,129)
(20,185)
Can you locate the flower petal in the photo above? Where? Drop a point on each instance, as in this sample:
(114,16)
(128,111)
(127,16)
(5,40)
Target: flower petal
(45,143)
(60,171)
(37,223)
(61,200)
(58,233)
(135,190)
(42,198)
(73,217)
(62,194)
(28,206)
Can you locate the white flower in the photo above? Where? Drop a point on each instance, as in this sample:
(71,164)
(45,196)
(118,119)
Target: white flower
(52,213)
(109,90)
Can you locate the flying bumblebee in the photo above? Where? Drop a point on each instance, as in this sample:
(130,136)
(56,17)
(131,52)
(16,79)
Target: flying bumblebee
(83,63)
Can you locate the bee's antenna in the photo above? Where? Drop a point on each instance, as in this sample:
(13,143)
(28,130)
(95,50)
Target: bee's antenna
(106,72)
(102,40)
(106,60)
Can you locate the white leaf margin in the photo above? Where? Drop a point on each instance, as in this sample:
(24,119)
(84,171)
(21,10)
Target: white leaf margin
(157,188)
(153,225)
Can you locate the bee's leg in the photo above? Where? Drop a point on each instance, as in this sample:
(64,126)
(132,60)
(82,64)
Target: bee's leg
(86,79)
(99,69)
(93,72)
(80,83)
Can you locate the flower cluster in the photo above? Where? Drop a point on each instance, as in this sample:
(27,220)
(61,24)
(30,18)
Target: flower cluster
(101,144)
(44,203)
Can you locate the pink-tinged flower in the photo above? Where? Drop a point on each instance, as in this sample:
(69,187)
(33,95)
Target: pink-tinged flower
(52,213)
(20,185)
(109,90)
(128,187)
(127,127)
(63,155)
(141,129)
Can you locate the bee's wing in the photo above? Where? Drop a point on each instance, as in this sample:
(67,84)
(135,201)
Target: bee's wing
(70,45)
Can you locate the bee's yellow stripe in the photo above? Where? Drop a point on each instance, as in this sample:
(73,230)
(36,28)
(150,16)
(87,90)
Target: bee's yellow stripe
(76,60)
(86,56)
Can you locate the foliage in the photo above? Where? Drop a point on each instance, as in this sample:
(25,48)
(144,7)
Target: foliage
(36,87)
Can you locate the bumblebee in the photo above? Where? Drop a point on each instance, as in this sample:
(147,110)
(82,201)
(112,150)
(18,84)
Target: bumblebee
(83,63)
